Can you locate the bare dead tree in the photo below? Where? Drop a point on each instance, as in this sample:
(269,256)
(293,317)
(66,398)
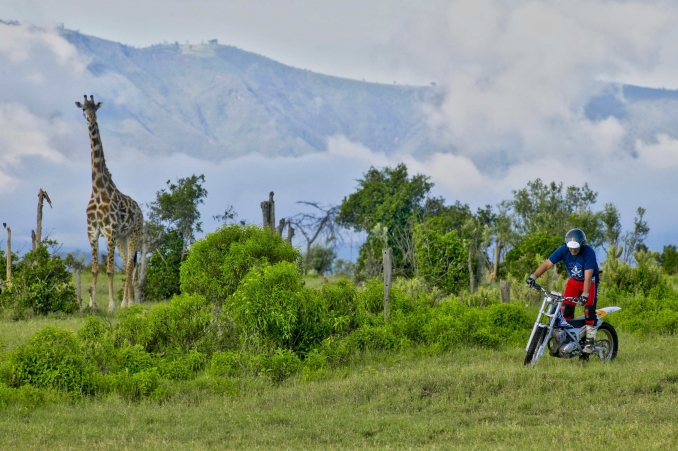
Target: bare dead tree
(268,211)
(37,236)
(317,224)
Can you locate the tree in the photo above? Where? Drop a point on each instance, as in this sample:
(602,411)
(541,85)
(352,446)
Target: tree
(321,259)
(542,208)
(228,216)
(440,257)
(476,236)
(391,199)
(164,267)
(611,220)
(174,219)
(636,237)
(669,259)
(388,197)
(520,260)
(315,225)
(177,208)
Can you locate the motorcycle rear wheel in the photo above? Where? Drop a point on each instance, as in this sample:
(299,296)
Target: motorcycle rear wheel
(606,337)
(537,340)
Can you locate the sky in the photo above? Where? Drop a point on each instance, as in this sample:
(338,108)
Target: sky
(516,76)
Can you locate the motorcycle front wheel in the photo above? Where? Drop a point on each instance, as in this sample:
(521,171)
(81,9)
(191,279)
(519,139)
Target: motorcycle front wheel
(537,340)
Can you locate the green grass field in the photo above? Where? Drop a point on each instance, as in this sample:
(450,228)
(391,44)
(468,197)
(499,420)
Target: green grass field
(466,399)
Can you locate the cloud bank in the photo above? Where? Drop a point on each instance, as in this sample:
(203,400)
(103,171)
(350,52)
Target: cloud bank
(517,79)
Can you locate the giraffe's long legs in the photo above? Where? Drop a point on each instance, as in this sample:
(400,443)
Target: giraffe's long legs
(94,243)
(110,269)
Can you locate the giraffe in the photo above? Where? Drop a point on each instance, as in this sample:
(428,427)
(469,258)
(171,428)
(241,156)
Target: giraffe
(109,213)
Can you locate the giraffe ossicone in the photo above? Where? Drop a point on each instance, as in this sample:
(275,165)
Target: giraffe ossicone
(109,213)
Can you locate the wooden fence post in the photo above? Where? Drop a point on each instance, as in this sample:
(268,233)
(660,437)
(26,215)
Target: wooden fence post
(387,259)
(505,289)
(9,255)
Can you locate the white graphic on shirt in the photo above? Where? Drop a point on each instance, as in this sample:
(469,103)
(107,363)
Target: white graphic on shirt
(576,271)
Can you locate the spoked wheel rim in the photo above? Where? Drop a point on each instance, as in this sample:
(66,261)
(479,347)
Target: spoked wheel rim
(604,340)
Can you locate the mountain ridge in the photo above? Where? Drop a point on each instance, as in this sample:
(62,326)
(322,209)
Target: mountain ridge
(214,101)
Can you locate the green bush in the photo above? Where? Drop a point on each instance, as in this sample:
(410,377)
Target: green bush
(41,283)
(52,358)
(642,278)
(441,258)
(185,323)
(669,259)
(134,386)
(272,310)
(520,259)
(341,301)
(182,366)
(281,365)
(163,269)
(225,364)
(216,264)
(97,341)
(320,259)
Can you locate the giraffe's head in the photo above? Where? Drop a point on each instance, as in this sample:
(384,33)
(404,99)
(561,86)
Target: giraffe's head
(89,108)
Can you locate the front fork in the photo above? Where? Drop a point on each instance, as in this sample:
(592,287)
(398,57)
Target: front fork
(548,309)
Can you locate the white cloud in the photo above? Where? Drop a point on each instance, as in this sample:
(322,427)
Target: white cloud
(21,42)
(660,155)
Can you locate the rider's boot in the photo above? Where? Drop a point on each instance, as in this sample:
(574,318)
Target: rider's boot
(590,339)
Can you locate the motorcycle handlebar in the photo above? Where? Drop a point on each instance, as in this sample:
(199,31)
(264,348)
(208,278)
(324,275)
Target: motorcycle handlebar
(538,287)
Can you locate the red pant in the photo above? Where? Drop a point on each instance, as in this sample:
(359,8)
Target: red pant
(576,288)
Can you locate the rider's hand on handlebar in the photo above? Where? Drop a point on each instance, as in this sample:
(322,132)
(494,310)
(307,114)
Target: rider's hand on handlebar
(581,300)
(531,281)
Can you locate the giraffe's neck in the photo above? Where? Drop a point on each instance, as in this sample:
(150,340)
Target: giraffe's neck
(101,177)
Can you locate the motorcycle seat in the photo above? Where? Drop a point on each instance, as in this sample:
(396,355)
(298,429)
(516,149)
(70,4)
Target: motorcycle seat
(580,322)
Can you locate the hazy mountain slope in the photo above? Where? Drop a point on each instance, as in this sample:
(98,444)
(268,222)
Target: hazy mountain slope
(214,101)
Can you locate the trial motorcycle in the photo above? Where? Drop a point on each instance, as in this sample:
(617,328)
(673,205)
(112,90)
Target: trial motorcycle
(566,339)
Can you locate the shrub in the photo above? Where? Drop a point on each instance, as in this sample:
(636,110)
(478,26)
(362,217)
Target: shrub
(483,297)
(52,358)
(639,279)
(133,386)
(185,323)
(41,283)
(163,269)
(441,258)
(216,264)
(225,364)
(320,259)
(183,366)
(341,301)
(520,259)
(97,342)
(669,259)
(281,365)
(272,310)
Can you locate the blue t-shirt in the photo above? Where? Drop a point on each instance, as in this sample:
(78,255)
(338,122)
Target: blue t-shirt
(577,264)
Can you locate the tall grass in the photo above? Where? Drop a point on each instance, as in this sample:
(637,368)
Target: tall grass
(466,399)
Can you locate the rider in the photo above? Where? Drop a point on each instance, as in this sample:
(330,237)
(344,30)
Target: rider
(580,261)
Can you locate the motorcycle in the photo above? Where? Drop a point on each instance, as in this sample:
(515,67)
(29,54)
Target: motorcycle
(566,339)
